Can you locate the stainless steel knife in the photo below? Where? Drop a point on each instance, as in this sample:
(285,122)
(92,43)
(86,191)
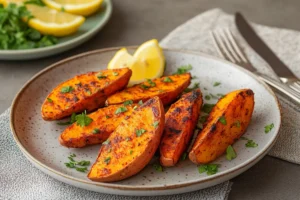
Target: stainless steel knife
(262,49)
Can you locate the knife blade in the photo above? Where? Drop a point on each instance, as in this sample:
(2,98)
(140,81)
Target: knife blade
(261,48)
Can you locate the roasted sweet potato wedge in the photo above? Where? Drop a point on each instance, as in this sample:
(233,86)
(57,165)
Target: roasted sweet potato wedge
(105,121)
(84,92)
(166,88)
(131,146)
(181,120)
(226,123)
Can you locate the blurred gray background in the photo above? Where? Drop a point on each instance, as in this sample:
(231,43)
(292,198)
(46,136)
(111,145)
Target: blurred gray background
(133,22)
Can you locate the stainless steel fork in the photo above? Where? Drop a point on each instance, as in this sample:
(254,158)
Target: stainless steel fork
(230,50)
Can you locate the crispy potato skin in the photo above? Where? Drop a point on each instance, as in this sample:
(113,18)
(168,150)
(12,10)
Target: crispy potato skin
(237,108)
(127,153)
(166,91)
(89,93)
(181,120)
(105,120)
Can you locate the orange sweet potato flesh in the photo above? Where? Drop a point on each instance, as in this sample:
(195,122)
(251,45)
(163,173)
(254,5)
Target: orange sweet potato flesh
(86,92)
(166,91)
(132,145)
(105,121)
(181,120)
(226,123)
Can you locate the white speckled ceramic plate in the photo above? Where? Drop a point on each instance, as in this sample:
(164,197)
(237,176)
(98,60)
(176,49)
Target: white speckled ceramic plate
(38,139)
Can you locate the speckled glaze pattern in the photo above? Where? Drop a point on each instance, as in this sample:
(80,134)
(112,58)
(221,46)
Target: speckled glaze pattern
(38,139)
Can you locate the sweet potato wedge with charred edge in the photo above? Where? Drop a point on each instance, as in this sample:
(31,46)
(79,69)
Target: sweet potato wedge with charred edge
(226,123)
(181,120)
(105,121)
(166,88)
(132,145)
(84,92)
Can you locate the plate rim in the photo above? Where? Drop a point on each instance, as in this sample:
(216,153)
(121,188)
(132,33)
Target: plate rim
(106,17)
(252,161)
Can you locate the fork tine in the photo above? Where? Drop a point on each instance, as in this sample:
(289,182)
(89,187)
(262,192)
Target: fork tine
(221,47)
(229,46)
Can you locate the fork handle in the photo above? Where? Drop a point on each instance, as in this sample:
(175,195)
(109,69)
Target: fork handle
(281,87)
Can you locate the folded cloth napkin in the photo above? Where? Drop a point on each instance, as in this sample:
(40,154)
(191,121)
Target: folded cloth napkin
(195,35)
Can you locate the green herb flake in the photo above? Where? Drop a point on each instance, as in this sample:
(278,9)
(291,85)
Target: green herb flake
(203,119)
(121,110)
(213,96)
(89,92)
(145,87)
(106,142)
(207,108)
(96,131)
(269,127)
(36,2)
(66,89)
(135,107)
(107,160)
(100,75)
(81,169)
(207,97)
(184,156)
(128,102)
(251,144)
(230,153)
(216,84)
(210,169)
(84,163)
(167,80)
(140,102)
(83,120)
(73,155)
(107,117)
(155,124)
(130,152)
(115,73)
(140,132)
(237,123)
(184,69)
(75,164)
(151,83)
(49,100)
(222,119)
(70,165)
(158,167)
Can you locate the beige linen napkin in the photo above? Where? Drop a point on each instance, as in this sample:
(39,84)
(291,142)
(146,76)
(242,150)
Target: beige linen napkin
(195,35)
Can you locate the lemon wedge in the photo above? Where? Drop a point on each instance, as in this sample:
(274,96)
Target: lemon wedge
(52,22)
(151,54)
(124,59)
(148,62)
(78,7)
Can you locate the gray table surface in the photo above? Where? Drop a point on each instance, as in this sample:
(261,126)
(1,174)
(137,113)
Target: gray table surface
(135,21)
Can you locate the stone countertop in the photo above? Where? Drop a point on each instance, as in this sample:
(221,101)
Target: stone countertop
(133,22)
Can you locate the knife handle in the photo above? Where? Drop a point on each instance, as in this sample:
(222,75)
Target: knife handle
(281,87)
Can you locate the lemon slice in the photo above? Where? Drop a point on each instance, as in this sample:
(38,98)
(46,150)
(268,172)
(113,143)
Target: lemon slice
(78,7)
(124,59)
(151,54)
(52,22)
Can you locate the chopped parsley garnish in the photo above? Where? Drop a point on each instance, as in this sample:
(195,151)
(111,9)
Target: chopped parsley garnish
(269,127)
(251,143)
(184,156)
(140,132)
(89,92)
(106,142)
(216,84)
(155,124)
(100,75)
(196,86)
(135,107)
(83,120)
(207,107)
(203,119)
(66,89)
(140,102)
(36,2)
(107,160)
(145,87)
(96,131)
(107,117)
(115,73)
(207,97)
(168,80)
(151,83)
(222,119)
(128,102)
(130,152)
(213,96)
(230,153)
(49,100)
(72,120)
(74,164)
(184,69)
(121,110)
(237,123)
(158,167)
(210,169)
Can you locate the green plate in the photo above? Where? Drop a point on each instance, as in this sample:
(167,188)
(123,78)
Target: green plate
(90,27)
